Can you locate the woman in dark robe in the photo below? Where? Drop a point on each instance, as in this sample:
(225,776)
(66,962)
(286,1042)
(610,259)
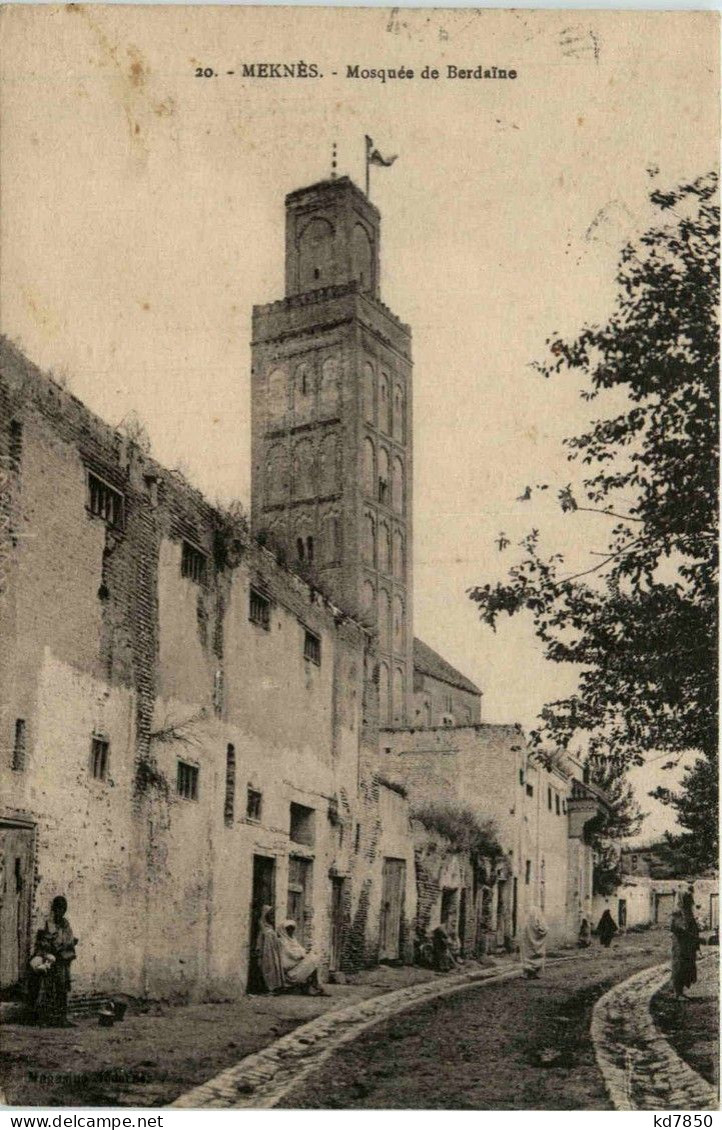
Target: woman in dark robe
(606,929)
(685,943)
(268,952)
(56,943)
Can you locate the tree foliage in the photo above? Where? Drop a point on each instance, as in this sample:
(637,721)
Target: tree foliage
(641,622)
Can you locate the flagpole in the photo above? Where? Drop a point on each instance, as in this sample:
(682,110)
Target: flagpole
(369,143)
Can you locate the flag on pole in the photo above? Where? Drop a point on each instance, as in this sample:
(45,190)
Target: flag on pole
(374,157)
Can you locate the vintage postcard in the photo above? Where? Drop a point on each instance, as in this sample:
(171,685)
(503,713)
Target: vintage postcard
(358,558)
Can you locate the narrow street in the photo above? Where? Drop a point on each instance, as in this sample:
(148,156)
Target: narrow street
(517,1045)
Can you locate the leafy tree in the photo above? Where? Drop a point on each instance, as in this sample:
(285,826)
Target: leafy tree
(641,622)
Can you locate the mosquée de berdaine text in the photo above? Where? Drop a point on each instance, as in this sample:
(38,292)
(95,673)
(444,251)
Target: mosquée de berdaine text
(383,74)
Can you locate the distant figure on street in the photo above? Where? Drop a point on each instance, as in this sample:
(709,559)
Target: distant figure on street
(268,952)
(443,957)
(685,943)
(300,969)
(606,929)
(454,942)
(585,934)
(534,943)
(49,972)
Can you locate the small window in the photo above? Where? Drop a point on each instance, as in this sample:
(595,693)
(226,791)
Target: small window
(557,803)
(187,781)
(193,563)
(259,610)
(357,840)
(383,491)
(527,873)
(549,800)
(312,648)
(230,801)
(104,501)
(19,744)
(521,776)
(302,825)
(99,758)
(254,801)
(564,807)
(529,789)
(300,549)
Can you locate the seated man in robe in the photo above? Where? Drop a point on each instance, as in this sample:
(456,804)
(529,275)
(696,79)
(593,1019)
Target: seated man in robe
(300,969)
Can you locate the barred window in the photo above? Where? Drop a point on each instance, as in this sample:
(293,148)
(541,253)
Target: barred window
(99,758)
(230,801)
(104,501)
(259,609)
(193,563)
(312,648)
(19,744)
(254,803)
(557,803)
(187,781)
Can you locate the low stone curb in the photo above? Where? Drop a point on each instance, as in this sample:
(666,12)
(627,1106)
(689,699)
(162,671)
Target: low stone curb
(261,1080)
(641,1070)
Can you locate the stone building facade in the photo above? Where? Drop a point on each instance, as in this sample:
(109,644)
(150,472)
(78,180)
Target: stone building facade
(147,770)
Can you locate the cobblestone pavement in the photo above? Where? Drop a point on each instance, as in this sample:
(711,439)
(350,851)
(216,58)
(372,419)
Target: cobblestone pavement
(260,1081)
(640,1068)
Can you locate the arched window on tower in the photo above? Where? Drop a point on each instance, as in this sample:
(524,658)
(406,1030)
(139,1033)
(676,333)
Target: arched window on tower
(276,478)
(303,469)
(369,473)
(398,486)
(384,403)
(384,548)
(399,705)
(384,693)
(398,554)
(329,384)
(398,413)
(315,255)
(398,623)
(331,539)
(362,252)
(309,550)
(303,400)
(277,395)
(369,540)
(369,598)
(369,383)
(384,619)
(383,494)
(300,549)
(329,464)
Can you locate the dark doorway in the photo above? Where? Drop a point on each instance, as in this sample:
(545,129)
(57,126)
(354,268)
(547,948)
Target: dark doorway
(392,902)
(337,901)
(16,892)
(462,920)
(514,907)
(264,894)
(622,913)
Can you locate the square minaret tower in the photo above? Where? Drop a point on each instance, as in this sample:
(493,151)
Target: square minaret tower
(331,386)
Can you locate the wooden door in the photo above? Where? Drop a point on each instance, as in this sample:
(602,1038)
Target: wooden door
(392,902)
(664,909)
(264,894)
(337,923)
(16,888)
(298,902)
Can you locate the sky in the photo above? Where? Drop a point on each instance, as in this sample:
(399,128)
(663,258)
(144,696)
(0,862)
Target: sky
(142,217)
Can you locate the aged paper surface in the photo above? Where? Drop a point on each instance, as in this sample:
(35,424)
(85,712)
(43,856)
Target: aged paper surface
(476,175)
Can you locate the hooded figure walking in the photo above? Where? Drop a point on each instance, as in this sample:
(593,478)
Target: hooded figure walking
(534,943)
(685,943)
(606,929)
